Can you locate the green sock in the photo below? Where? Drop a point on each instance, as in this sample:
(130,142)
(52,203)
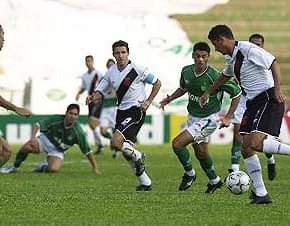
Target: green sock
(20,157)
(1,162)
(108,135)
(208,167)
(268,155)
(236,152)
(184,158)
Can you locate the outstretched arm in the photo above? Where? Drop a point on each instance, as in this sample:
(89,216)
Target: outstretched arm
(277,78)
(176,94)
(93,162)
(226,120)
(19,110)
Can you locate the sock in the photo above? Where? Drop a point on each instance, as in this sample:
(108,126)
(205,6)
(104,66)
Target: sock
(215,180)
(236,152)
(20,157)
(1,162)
(108,135)
(273,146)
(208,167)
(97,138)
(254,169)
(270,158)
(235,167)
(144,179)
(129,151)
(184,158)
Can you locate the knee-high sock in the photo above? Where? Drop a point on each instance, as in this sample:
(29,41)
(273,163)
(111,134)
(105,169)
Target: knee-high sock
(130,151)
(20,157)
(254,169)
(273,146)
(97,138)
(236,152)
(208,167)
(184,158)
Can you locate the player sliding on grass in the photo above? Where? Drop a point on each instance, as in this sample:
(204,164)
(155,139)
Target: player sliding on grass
(129,81)
(202,122)
(57,134)
(5,150)
(259,75)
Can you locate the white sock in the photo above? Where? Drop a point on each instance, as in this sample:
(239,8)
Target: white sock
(254,169)
(271,160)
(190,173)
(215,180)
(97,138)
(144,179)
(235,167)
(273,146)
(128,150)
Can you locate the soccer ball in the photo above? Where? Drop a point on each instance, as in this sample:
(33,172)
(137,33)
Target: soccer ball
(238,182)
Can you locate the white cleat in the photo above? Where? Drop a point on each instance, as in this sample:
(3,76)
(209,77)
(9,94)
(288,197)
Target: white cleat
(8,169)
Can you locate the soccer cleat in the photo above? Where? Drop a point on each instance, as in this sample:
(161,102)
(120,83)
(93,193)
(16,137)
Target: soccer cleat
(266,199)
(186,182)
(143,187)
(230,170)
(99,150)
(41,167)
(8,169)
(140,165)
(212,187)
(252,195)
(271,171)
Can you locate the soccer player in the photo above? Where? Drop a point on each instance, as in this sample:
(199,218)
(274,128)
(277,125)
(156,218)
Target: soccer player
(259,40)
(252,67)
(129,79)
(57,134)
(5,149)
(108,113)
(89,81)
(195,79)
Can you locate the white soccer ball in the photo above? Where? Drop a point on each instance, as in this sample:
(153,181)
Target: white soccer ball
(238,182)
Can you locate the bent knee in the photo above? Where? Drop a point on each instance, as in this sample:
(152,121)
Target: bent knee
(176,144)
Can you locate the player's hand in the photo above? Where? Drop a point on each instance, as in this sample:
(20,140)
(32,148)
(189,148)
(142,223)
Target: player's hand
(279,96)
(164,102)
(23,111)
(224,122)
(203,99)
(145,105)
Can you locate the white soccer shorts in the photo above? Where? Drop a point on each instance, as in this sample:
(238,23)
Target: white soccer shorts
(48,148)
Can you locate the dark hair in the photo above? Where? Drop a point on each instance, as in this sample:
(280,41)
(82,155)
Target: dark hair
(120,43)
(256,35)
(1,28)
(110,60)
(202,46)
(73,106)
(219,31)
(89,56)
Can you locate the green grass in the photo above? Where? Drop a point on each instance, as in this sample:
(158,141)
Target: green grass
(77,197)
(269,17)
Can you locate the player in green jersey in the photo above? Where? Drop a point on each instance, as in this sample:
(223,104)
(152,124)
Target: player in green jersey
(57,134)
(202,122)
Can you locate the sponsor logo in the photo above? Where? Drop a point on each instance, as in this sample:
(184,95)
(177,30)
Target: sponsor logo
(56,94)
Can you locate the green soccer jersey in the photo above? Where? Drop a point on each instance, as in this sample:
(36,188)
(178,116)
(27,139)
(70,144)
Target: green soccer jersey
(63,138)
(196,85)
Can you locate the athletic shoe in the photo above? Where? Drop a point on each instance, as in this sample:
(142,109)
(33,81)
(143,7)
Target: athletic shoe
(230,170)
(8,169)
(41,167)
(99,150)
(252,195)
(143,187)
(266,199)
(186,182)
(271,171)
(140,165)
(212,187)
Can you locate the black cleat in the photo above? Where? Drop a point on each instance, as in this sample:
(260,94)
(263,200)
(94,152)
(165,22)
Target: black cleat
(271,171)
(186,182)
(212,187)
(266,199)
(143,187)
(230,170)
(252,195)
(99,150)
(140,165)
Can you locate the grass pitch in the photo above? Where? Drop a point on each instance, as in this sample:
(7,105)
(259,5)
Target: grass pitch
(77,197)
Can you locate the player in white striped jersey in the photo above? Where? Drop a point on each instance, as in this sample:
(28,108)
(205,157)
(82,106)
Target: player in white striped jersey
(90,80)
(258,40)
(5,149)
(261,123)
(129,81)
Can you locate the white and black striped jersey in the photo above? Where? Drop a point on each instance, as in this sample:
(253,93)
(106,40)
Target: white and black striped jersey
(87,79)
(134,93)
(251,65)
